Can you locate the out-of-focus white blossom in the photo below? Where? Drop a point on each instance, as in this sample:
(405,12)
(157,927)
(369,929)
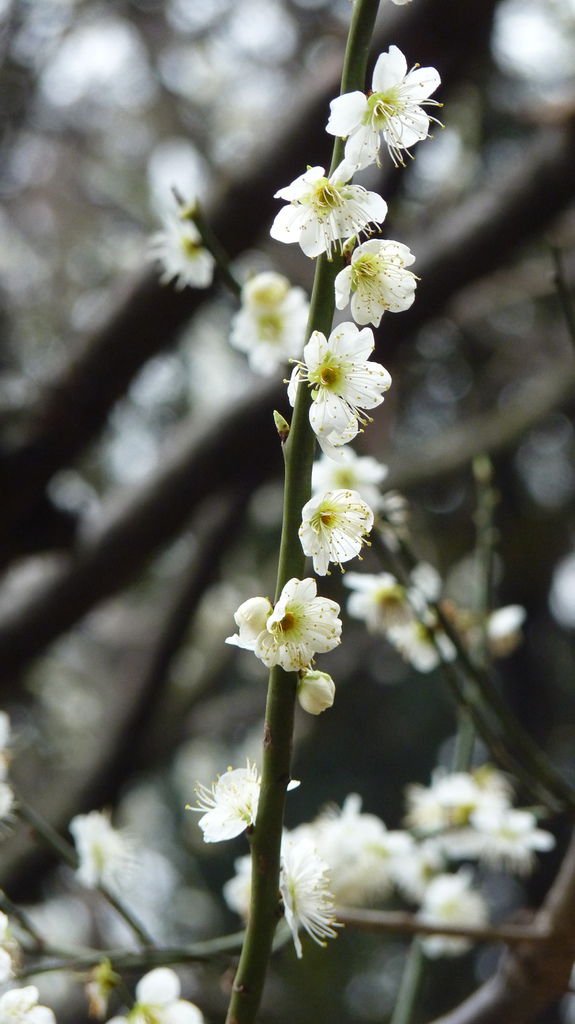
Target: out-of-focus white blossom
(5,738)
(378,600)
(343,381)
(414,871)
(504,629)
(237,890)
(324,211)
(393,109)
(453,797)
(361,473)
(305,889)
(507,838)
(270,326)
(20,1006)
(377,280)
(179,250)
(300,626)
(230,805)
(451,900)
(422,643)
(105,854)
(315,691)
(158,1002)
(6,801)
(359,850)
(334,527)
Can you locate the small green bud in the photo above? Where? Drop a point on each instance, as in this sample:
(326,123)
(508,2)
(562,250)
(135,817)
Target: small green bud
(282,426)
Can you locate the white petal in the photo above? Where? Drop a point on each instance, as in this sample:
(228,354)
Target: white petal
(158,987)
(300,186)
(346,113)
(362,147)
(287,225)
(420,83)
(343,287)
(390,68)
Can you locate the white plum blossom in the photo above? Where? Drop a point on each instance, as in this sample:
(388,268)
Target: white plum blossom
(270,326)
(453,797)
(417,867)
(158,1002)
(304,886)
(422,643)
(334,527)
(508,838)
(378,600)
(359,850)
(450,900)
(178,248)
(344,383)
(315,691)
(377,280)
(20,1006)
(300,626)
(393,108)
(230,805)
(322,212)
(504,629)
(361,473)
(105,854)
(237,890)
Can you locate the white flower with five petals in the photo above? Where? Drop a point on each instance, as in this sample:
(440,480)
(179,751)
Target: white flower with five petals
(394,109)
(451,900)
(270,327)
(104,853)
(334,527)
(377,280)
(304,886)
(324,211)
(230,806)
(343,382)
(179,249)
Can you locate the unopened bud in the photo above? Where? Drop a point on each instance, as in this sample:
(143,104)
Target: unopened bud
(316,691)
(282,426)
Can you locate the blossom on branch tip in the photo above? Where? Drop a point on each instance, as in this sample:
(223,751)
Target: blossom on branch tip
(343,381)
(394,109)
(376,280)
(315,691)
(300,626)
(158,1002)
(334,527)
(323,212)
(230,805)
(104,853)
(270,326)
(178,248)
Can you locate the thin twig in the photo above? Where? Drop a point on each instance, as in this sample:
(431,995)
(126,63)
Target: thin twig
(399,922)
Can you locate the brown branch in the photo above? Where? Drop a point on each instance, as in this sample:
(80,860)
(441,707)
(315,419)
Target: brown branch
(530,978)
(397,922)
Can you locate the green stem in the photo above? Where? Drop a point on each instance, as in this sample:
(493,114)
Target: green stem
(66,852)
(213,245)
(411,981)
(299,451)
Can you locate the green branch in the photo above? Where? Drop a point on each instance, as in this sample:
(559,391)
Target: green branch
(299,449)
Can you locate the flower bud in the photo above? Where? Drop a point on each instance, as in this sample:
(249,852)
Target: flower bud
(316,691)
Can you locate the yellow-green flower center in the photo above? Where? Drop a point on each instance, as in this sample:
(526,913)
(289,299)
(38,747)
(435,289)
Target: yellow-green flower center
(381,106)
(287,623)
(365,269)
(190,248)
(325,196)
(270,326)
